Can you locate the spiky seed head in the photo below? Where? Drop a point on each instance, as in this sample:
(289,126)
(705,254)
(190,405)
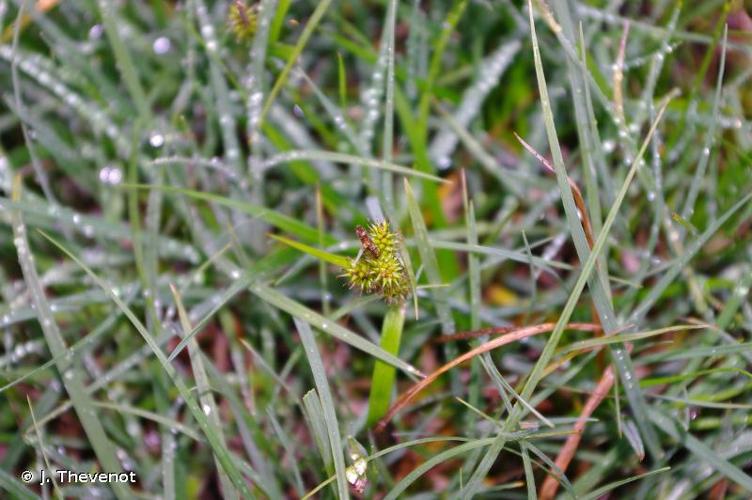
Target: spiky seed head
(390,278)
(359,275)
(242,19)
(379,269)
(382,236)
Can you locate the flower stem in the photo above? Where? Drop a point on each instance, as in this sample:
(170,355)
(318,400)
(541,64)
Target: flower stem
(382,382)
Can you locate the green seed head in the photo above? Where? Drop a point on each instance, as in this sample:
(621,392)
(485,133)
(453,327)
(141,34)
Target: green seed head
(242,19)
(384,239)
(359,275)
(384,273)
(390,278)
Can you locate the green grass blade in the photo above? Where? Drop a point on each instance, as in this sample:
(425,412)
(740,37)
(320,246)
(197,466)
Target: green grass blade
(429,261)
(382,380)
(169,423)
(317,425)
(701,450)
(276,219)
(311,25)
(334,157)
(710,134)
(432,462)
(301,312)
(208,404)
(124,60)
(598,493)
(327,404)
(619,338)
(40,442)
(322,255)
(529,477)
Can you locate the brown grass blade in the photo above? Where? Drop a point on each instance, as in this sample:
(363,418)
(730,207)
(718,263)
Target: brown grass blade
(508,338)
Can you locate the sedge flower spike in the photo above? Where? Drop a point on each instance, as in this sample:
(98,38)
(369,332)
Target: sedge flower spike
(242,19)
(379,268)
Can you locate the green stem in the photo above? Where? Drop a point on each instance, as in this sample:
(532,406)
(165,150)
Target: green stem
(382,381)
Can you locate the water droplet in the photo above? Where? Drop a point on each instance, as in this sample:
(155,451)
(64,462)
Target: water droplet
(133,430)
(444,162)
(95,32)
(206,409)
(207,31)
(161,45)
(235,274)
(156,140)
(116,176)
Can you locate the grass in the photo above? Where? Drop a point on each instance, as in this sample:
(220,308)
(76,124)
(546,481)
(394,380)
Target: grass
(571,186)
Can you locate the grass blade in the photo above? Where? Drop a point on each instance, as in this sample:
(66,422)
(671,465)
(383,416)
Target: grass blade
(702,451)
(208,404)
(299,311)
(311,25)
(322,255)
(327,403)
(382,380)
(593,495)
(311,155)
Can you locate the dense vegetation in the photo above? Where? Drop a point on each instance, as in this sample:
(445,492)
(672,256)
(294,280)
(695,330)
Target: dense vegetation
(377,248)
